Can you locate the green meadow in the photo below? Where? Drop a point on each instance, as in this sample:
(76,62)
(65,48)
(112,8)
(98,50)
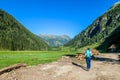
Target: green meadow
(8,58)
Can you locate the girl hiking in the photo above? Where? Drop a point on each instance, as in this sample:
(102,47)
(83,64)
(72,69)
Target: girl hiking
(88,56)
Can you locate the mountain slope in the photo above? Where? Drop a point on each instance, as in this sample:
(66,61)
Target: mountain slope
(112,42)
(54,40)
(99,30)
(14,36)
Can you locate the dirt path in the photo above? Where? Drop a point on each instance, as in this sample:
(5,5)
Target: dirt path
(104,67)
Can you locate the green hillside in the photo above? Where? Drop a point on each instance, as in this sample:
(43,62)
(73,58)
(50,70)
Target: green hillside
(99,30)
(113,39)
(55,40)
(14,36)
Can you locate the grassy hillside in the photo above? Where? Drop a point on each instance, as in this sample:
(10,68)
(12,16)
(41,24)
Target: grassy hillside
(113,39)
(14,36)
(99,30)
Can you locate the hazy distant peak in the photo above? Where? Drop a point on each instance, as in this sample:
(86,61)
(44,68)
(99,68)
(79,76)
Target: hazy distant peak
(55,40)
(53,36)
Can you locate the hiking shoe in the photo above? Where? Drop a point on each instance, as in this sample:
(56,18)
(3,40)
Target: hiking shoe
(87,69)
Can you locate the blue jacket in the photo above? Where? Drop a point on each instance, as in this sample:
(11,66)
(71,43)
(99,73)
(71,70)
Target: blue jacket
(88,53)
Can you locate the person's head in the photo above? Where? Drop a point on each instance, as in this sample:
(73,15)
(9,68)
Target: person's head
(88,48)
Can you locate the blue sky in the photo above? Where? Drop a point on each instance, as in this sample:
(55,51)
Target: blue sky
(56,16)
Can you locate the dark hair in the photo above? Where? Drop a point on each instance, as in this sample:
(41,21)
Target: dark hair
(88,48)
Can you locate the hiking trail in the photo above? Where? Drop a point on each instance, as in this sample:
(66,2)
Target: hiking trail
(103,67)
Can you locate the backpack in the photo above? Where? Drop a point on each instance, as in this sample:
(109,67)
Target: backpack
(88,53)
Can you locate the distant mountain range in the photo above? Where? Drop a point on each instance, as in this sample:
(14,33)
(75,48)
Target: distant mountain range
(14,36)
(55,40)
(104,30)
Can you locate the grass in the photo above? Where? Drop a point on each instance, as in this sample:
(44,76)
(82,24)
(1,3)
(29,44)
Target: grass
(88,46)
(29,57)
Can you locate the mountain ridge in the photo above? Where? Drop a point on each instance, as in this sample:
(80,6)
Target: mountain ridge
(14,36)
(55,40)
(99,30)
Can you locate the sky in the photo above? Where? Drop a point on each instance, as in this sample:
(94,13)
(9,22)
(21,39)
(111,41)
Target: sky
(58,17)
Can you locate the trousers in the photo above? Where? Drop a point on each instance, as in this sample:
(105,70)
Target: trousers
(88,62)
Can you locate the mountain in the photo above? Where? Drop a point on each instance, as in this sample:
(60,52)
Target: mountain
(14,36)
(112,42)
(55,40)
(99,30)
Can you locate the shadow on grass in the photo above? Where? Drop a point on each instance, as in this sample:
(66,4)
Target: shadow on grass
(79,65)
(70,55)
